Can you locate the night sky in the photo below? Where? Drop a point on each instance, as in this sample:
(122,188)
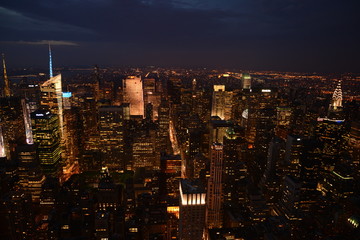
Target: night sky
(285,35)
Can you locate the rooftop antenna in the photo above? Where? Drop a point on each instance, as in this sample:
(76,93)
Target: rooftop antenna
(7,92)
(50,62)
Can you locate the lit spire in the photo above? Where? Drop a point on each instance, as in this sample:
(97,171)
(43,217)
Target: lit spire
(337,97)
(7,92)
(2,145)
(50,62)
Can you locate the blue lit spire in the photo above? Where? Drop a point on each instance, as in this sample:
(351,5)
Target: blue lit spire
(50,62)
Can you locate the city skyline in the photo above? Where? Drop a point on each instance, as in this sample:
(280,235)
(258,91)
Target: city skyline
(180,120)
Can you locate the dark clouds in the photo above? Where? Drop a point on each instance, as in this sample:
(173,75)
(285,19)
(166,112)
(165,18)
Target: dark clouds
(263,34)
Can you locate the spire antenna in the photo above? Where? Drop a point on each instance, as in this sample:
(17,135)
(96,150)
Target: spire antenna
(7,92)
(50,62)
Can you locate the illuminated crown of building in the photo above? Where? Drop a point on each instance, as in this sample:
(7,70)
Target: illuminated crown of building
(337,97)
(7,92)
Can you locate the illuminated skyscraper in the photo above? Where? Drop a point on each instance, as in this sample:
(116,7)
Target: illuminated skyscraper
(144,155)
(192,209)
(51,96)
(164,124)
(7,92)
(214,205)
(290,198)
(133,94)
(151,94)
(31,92)
(234,170)
(246,80)
(221,102)
(294,149)
(31,177)
(194,85)
(12,122)
(218,130)
(46,134)
(331,133)
(27,122)
(111,128)
(283,116)
(336,101)
(335,112)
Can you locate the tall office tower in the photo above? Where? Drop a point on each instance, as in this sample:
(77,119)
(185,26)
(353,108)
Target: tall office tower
(133,94)
(108,195)
(31,92)
(73,139)
(31,177)
(294,149)
(234,170)
(256,205)
(283,116)
(164,125)
(51,96)
(261,116)
(149,112)
(171,172)
(27,122)
(12,123)
(214,207)
(193,85)
(271,179)
(143,151)
(338,183)
(151,94)
(246,80)
(218,129)
(283,121)
(260,104)
(49,193)
(331,134)
(288,205)
(192,209)
(200,166)
(221,102)
(46,135)
(195,146)
(16,216)
(7,92)
(111,128)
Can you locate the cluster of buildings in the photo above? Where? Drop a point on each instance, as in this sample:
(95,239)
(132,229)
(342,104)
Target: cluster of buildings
(178,154)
